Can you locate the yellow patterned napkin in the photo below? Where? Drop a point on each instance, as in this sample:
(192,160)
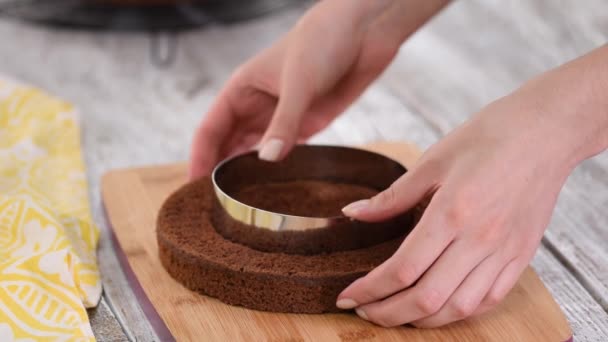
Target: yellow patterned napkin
(48,271)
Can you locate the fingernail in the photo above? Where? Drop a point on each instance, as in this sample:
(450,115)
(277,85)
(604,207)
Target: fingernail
(271,150)
(361,314)
(355,207)
(346,304)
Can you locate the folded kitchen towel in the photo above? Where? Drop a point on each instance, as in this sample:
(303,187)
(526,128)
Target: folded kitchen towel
(48,271)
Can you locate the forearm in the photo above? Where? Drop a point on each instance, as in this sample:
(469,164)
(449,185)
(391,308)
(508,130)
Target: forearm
(409,15)
(396,19)
(572,102)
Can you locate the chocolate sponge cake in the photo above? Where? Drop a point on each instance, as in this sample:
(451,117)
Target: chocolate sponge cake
(310,198)
(196,255)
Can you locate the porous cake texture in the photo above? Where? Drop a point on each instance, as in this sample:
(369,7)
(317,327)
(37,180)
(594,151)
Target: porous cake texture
(195,254)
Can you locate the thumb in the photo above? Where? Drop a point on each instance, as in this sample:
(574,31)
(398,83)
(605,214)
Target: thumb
(295,97)
(403,194)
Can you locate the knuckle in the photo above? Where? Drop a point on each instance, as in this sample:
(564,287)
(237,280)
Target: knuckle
(406,274)
(493,298)
(460,211)
(383,322)
(366,295)
(379,317)
(386,198)
(429,301)
(387,321)
(463,308)
(490,234)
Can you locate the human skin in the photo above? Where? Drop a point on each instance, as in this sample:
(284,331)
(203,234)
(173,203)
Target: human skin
(494,180)
(296,87)
(494,183)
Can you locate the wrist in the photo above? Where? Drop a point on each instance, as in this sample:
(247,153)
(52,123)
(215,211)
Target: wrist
(410,15)
(393,19)
(571,104)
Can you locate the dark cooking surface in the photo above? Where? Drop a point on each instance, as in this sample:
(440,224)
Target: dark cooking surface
(86,13)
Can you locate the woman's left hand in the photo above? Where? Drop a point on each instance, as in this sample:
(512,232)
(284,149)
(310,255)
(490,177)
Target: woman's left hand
(494,182)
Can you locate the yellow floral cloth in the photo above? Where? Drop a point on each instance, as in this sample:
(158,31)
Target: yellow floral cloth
(48,271)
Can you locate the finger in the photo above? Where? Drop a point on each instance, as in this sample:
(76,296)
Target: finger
(429,294)
(403,194)
(415,255)
(296,95)
(468,296)
(503,284)
(209,136)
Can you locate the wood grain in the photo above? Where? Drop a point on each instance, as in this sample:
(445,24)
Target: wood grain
(587,318)
(134,196)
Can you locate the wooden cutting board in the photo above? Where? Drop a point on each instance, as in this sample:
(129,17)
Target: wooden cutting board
(132,198)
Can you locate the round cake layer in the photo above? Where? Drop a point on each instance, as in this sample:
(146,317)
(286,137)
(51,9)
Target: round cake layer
(197,256)
(307,198)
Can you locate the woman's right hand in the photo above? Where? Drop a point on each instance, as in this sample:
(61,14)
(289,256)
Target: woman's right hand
(299,85)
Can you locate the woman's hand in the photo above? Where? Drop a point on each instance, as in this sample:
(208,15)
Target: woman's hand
(299,85)
(494,182)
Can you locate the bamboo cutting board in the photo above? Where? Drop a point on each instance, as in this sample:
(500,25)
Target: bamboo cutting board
(132,198)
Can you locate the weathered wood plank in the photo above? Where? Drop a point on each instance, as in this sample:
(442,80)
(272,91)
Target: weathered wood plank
(118,296)
(588,320)
(476,51)
(377,115)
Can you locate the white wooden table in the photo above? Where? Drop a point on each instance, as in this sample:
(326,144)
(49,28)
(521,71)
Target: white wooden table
(141,95)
